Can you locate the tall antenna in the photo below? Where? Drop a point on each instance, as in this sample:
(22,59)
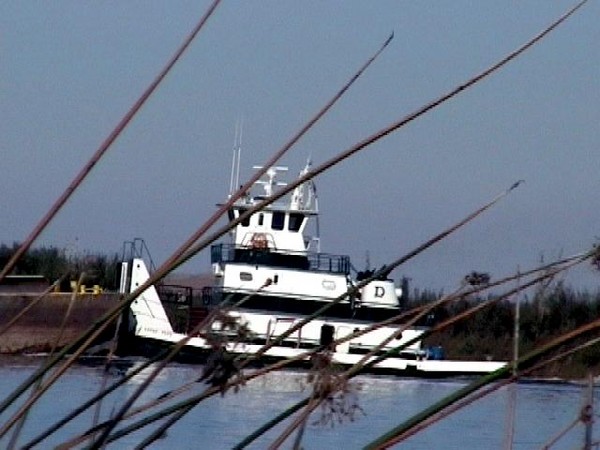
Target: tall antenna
(234,180)
(239,152)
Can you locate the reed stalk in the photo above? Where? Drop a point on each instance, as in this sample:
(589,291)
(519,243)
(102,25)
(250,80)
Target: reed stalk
(394,126)
(240,192)
(84,406)
(161,365)
(31,304)
(85,339)
(99,153)
(395,434)
(304,355)
(363,283)
(183,253)
(492,388)
(187,405)
(173,262)
(313,403)
(358,369)
(541,35)
(17,431)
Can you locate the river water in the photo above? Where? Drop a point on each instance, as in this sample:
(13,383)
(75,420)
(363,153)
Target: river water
(542,411)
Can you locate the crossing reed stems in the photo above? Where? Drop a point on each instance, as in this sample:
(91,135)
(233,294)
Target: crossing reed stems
(498,385)
(530,358)
(32,303)
(85,339)
(240,192)
(99,153)
(187,405)
(355,289)
(88,336)
(184,253)
(23,417)
(360,368)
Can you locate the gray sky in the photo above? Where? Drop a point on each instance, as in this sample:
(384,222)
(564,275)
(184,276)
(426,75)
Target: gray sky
(69,71)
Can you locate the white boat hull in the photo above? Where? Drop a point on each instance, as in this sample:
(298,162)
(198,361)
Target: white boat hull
(197,350)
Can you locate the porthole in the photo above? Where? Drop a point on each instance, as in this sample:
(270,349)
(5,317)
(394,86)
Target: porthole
(328,285)
(245,276)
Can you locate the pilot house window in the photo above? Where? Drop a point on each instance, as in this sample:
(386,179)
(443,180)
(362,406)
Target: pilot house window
(246,221)
(278,220)
(296,220)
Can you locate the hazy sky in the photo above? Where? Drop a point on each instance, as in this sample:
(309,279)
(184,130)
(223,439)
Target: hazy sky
(69,70)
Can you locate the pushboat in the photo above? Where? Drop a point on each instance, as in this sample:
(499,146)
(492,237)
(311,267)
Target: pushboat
(268,278)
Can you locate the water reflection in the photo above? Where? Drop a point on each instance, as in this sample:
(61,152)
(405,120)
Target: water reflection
(542,410)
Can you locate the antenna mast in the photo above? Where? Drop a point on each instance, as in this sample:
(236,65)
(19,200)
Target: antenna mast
(234,180)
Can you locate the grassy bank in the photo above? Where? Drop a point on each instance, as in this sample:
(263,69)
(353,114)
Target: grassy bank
(550,312)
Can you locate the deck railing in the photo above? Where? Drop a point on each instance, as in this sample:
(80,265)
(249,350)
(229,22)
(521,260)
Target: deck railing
(318,262)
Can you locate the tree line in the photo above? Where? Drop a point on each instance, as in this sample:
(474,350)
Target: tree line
(550,311)
(53,263)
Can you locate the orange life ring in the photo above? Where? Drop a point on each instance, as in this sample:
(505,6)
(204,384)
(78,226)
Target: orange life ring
(259,241)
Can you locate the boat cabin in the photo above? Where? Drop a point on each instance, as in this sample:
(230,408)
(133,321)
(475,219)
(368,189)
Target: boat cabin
(271,229)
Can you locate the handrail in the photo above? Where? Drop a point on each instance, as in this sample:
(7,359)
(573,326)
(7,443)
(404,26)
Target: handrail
(307,261)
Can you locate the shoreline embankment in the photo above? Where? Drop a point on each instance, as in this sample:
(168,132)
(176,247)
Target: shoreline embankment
(39,329)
